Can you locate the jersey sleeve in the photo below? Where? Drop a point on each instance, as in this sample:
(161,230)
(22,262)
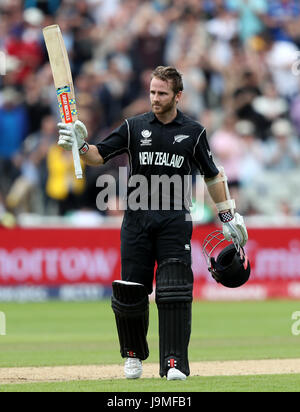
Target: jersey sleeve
(115,143)
(202,156)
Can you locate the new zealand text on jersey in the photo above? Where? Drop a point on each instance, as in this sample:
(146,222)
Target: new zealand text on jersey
(161,159)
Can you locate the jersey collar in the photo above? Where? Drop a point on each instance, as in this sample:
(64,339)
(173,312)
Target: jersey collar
(178,119)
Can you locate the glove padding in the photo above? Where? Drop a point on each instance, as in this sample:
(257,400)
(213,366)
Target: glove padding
(69,132)
(236,230)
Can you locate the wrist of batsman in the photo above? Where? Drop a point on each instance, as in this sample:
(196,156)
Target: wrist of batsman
(84,148)
(226,216)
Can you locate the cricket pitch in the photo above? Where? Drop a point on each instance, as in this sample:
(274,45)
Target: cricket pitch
(151,370)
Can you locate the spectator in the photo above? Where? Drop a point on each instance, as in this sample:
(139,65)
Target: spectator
(62,187)
(225,144)
(222,29)
(282,19)
(149,39)
(37,106)
(280,56)
(187,37)
(194,85)
(48,7)
(250,14)
(7,219)
(25,44)
(114,80)
(141,102)
(243,98)
(27,192)
(294,113)
(283,150)
(82,26)
(13,130)
(104,10)
(269,105)
(252,158)
(224,26)
(211,7)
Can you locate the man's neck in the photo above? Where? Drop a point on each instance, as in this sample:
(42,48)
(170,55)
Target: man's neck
(167,117)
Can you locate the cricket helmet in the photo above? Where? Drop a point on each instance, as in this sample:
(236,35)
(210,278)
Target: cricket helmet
(231,266)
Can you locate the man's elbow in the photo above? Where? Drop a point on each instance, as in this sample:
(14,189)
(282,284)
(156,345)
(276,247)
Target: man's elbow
(212,179)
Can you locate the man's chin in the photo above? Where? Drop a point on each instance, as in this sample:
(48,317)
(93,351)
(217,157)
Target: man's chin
(157,109)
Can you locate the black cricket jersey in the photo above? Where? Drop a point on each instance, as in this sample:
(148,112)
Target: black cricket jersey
(158,150)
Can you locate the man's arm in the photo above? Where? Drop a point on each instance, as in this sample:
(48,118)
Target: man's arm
(117,142)
(216,191)
(92,157)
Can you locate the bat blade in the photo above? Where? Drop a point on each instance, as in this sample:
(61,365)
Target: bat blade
(63,81)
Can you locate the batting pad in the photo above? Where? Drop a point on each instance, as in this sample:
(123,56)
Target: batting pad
(174,295)
(130,304)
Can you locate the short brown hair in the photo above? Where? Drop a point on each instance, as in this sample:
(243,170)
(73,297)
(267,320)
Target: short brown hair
(166,73)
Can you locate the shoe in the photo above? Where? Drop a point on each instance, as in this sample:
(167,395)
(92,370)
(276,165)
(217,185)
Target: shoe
(133,368)
(175,374)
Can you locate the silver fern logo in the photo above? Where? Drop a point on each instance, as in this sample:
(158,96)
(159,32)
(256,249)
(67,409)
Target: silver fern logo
(179,138)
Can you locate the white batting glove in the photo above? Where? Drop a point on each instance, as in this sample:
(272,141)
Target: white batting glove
(235,229)
(69,132)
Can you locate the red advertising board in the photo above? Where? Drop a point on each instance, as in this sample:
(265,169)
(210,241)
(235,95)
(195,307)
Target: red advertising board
(52,257)
(57,256)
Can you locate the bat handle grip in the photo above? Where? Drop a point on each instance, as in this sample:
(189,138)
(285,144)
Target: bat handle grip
(76,157)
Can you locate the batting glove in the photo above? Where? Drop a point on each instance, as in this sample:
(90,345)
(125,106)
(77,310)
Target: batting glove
(69,132)
(234,228)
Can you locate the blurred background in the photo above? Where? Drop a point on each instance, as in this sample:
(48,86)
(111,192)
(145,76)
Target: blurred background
(240,62)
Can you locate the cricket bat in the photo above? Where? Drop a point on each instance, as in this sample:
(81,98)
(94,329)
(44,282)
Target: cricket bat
(62,76)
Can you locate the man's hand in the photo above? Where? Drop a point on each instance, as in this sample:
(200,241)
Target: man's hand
(68,132)
(235,229)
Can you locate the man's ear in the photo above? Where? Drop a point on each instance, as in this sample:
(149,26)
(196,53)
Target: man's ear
(178,96)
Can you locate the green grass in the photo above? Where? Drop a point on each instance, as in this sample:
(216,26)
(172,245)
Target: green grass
(58,333)
(244,330)
(257,383)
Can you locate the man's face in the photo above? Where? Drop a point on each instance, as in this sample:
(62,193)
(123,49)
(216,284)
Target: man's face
(162,97)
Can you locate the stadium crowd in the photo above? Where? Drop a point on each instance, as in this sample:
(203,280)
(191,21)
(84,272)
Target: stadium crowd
(240,62)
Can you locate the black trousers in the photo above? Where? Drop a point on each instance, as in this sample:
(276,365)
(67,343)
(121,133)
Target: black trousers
(150,237)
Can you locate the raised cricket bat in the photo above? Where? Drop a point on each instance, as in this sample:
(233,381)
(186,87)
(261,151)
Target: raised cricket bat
(62,76)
